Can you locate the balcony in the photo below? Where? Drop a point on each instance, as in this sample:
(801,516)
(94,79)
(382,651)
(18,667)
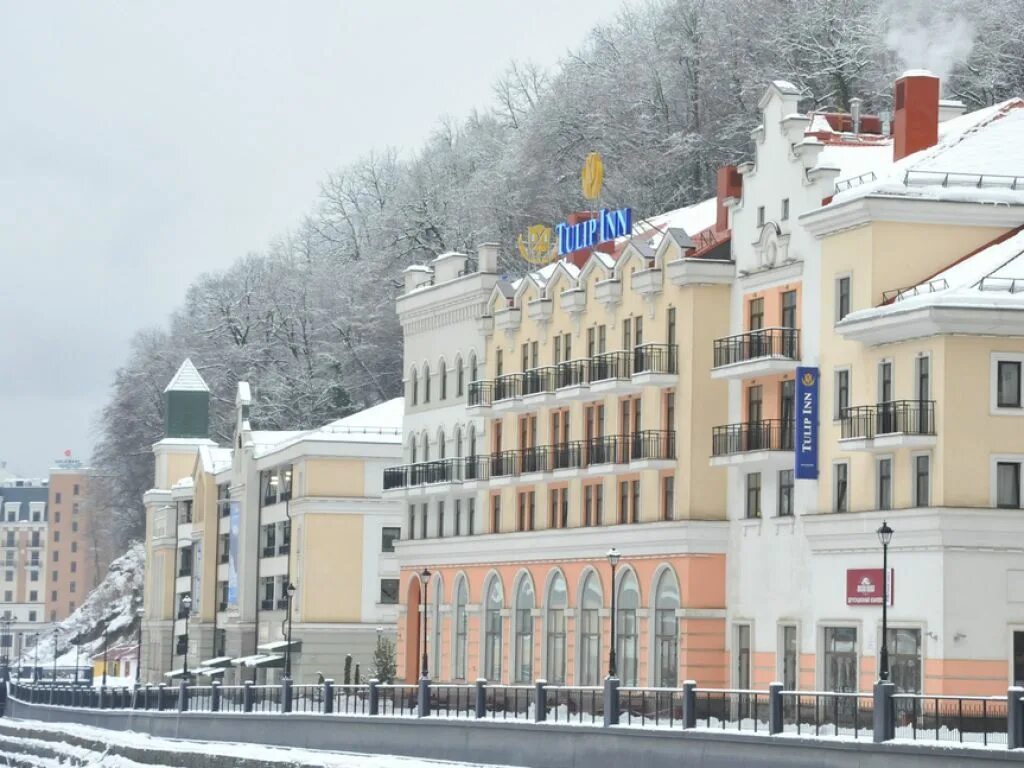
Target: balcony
(508,390)
(888,426)
(476,468)
(284,549)
(656,365)
(424,473)
(765,352)
(539,385)
(571,378)
(573,300)
(480,397)
(769,441)
(508,319)
(540,310)
(647,282)
(612,372)
(608,292)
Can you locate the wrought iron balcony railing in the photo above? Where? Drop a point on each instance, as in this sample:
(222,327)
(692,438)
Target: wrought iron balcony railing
(481,393)
(656,358)
(755,345)
(906,417)
(768,435)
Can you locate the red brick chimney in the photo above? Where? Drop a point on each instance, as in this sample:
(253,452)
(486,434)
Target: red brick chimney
(730,184)
(915,124)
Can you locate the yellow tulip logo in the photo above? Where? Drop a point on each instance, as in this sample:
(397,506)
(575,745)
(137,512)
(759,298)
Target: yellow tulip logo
(592,176)
(538,246)
(808,379)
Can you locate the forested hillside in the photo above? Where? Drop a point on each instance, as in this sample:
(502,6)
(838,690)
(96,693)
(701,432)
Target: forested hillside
(666,92)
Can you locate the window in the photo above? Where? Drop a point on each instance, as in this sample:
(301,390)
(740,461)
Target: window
(389,591)
(760,216)
(557,603)
(499,362)
(785,215)
(668,497)
(842,393)
(524,632)
(53,595)
(435,622)
(495,513)
(924,386)
(53,577)
(32,576)
(440,519)
(789,310)
(33,596)
(8,596)
(31,615)
(457,530)
(904,646)
(628,603)
(884,474)
(1008,484)
(752,507)
(442,374)
(424,514)
(75,490)
(666,631)
(493,631)
(842,298)
(412,521)
(1008,390)
(922,480)
(56,517)
(789,657)
(743,656)
(74,567)
(472,366)
(74,546)
(74,508)
(414,387)
(841,487)
(426,383)
(470,516)
(634,512)
(840,659)
(785,497)
(590,630)
(885,382)
(461,630)
(72,587)
(56,498)
(1018,658)
(460,377)
(755,315)
(623,502)
(388,537)
(558,514)
(56,556)
(56,536)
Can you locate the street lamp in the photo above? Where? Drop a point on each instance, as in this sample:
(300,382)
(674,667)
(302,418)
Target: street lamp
(290,592)
(35,661)
(613,560)
(140,612)
(186,603)
(885,536)
(78,650)
(424,604)
(55,654)
(106,637)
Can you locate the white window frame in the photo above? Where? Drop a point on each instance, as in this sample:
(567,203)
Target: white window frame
(885,361)
(913,479)
(835,298)
(835,485)
(848,370)
(735,649)
(993,475)
(819,660)
(1008,357)
(892,480)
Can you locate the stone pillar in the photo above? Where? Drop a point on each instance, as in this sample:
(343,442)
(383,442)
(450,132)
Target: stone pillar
(481,698)
(540,705)
(690,704)
(374,697)
(884,715)
(328,693)
(611,701)
(1014,718)
(775,708)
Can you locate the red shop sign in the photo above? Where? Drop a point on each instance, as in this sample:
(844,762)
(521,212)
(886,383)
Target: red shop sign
(864,586)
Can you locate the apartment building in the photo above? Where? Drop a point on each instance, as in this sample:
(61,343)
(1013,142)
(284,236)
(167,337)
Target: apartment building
(234,527)
(598,414)
(73,566)
(23,535)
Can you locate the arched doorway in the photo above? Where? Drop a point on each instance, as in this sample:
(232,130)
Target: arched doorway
(412,630)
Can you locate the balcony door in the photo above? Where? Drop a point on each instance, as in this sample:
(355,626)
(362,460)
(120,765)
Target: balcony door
(886,407)
(787,411)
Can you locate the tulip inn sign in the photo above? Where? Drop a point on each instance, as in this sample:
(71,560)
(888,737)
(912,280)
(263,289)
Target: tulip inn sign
(606,225)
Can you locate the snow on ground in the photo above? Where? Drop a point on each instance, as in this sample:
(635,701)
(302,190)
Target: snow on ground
(289,756)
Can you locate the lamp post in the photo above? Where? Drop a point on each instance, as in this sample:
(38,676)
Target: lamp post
(186,603)
(78,650)
(290,592)
(35,660)
(885,536)
(138,650)
(106,637)
(424,604)
(613,560)
(54,654)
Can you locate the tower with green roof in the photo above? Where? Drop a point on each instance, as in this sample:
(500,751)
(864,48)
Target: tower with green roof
(187,404)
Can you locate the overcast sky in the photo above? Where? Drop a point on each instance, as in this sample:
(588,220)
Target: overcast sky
(142,143)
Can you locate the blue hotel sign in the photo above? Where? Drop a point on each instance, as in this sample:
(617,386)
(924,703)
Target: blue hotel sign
(807,423)
(607,225)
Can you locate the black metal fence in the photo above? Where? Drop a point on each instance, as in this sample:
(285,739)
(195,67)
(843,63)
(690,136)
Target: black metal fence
(768,342)
(895,417)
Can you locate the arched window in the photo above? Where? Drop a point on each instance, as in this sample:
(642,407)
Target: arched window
(414,384)
(412,449)
(442,373)
(442,448)
(461,633)
(524,631)
(472,366)
(426,383)
(457,442)
(557,603)
(666,631)
(435,620)
(627,604)
(472,440)
(590,631)
(493,630)
(460,377)
(425,442)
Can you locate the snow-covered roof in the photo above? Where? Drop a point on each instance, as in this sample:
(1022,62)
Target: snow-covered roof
(991,277)
(691,219)
(979,157)
(187,379)
(214,459)
(381,423)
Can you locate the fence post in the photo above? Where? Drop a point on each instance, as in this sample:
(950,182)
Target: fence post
(148,696)
(540,701)
(247,697)
(374,702)
(690,704)
(161,696)
(611,701)
(102,698)
(183,695)
(328,694)
(774,707)
(884,716)
(423,700)
(286,694)
(215,696)
(481,698)
(1014,718)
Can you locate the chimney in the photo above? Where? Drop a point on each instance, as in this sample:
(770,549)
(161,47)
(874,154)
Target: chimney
(855,103)
(487,258)
(916,113)
(730,184)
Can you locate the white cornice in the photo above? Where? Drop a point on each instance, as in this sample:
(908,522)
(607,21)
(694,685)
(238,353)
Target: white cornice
(684,537)
(891,324)
(765,278)
(848,214)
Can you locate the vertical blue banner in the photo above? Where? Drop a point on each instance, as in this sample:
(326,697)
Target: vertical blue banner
(806,448)
(235,528)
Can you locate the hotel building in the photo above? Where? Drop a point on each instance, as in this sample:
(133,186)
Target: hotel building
(231,528)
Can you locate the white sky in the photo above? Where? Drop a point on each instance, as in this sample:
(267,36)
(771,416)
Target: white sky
(142,143)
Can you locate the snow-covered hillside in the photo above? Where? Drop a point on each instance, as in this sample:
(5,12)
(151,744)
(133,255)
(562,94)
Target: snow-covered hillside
(110,606)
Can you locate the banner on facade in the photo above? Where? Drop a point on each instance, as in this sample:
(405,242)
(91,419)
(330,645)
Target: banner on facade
(806,448)
(234,529)
(864,586)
